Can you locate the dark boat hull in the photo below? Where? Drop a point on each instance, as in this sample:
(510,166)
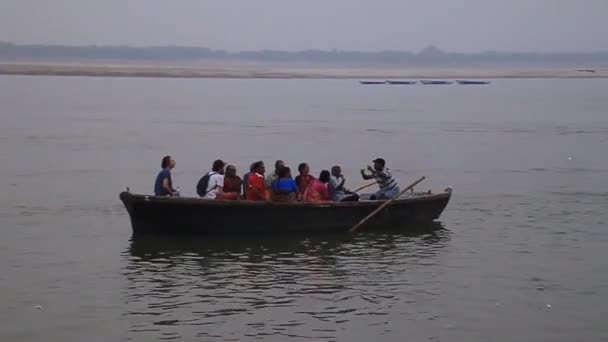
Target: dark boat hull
(372,82)
(401,82)
(473,82)
(435,82)
(163,215)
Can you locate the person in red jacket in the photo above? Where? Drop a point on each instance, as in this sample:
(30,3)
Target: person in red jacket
(256,187)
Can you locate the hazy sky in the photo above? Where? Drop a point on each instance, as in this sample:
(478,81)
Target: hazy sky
(457,25)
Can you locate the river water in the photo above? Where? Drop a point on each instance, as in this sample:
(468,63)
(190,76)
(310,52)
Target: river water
(519,254)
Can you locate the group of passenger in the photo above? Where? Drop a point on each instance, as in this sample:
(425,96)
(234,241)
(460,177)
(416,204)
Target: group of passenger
(223,183)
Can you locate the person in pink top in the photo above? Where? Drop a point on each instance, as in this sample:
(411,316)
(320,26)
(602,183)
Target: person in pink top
(317,190)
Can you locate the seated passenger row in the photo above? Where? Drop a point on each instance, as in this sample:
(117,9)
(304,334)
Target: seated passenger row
(223,183)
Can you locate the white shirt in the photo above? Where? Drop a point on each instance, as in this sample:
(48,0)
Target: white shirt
(216,181)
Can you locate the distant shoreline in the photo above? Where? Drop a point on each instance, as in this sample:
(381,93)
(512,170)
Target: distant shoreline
(284,72)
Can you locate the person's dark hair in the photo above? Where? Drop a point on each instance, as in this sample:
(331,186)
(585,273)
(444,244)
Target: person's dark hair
(278,163)
(335,169)
(380,161)
(302,166)
(252,167)
(257,165)
(218,165)
(284,172)
(324,176)
(231,169)
(166,161)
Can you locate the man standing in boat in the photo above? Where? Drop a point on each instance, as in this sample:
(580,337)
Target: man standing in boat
(389,187)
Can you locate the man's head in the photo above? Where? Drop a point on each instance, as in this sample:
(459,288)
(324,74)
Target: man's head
(218,166)
(230,171)
(304,169)
(336,171)
(259,167)
(279,164)
(167,162)
(379,164)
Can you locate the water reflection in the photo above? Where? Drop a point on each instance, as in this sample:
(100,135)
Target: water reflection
(231,288)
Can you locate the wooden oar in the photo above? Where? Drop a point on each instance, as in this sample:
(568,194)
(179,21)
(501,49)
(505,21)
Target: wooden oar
(364,187)
(384,205)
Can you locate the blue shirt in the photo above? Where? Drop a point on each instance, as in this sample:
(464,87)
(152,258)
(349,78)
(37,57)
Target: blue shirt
(284,185)
(158,184)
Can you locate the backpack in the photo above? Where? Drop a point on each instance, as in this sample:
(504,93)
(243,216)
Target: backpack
(203,183)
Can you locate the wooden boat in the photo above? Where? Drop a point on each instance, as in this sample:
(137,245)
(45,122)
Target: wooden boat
(372,82)
(464,82)
(181,215)
(400,82)
(435,82)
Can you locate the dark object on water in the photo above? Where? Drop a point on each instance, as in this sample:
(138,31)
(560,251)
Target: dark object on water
(401,82)
(586,70)
(372,82)
(435,82)
(464,82)
(167,215)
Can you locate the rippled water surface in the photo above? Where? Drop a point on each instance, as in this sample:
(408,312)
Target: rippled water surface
(519,255)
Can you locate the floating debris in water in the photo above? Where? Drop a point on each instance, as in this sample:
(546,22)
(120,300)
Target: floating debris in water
(569,158)
(549,305)
(38,307)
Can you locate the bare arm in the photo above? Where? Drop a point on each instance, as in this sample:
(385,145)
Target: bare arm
(366,176)
(375,173)
(166,186)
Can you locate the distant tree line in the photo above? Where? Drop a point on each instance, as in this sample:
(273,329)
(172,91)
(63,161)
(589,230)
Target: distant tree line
(430,56)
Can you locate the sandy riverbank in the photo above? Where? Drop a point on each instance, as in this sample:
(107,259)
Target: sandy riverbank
(263,71)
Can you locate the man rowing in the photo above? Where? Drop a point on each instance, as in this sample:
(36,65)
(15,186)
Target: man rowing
(389,187)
